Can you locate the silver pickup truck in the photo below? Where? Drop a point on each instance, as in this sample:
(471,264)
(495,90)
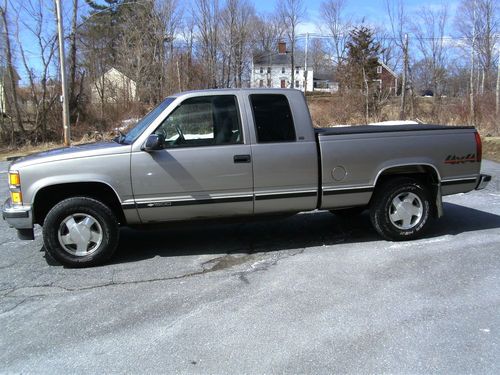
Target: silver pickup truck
(231,153)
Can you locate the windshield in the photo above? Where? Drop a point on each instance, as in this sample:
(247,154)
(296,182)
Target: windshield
(147,120)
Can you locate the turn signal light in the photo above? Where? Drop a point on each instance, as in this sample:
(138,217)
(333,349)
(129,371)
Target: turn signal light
(14,179)
(16,197)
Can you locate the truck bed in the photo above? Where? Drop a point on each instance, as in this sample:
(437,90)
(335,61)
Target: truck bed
(354,157)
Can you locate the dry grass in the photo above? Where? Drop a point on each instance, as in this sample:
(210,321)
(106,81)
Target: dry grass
(491,148)
(28,149)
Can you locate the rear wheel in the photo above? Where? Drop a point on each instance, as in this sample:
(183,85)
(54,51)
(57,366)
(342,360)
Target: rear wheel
(80,232)
(400,209)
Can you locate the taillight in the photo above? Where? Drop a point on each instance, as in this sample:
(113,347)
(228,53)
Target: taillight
(479,147)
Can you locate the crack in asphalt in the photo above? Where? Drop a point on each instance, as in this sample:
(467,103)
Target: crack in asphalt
(217,264)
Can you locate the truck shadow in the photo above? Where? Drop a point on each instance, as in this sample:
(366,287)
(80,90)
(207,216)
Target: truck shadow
(267,235)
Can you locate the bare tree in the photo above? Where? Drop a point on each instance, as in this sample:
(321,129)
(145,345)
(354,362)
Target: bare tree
(74,92)
(206,14)
(481,17)
(338,25)
(429,30)
(43,96)
(236,20)
(399,29)
(268,31)
(291,13)
(169,18)
(10,67)
(320,60)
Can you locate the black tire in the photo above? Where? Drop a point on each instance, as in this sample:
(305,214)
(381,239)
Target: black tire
(382,209)
(99,220)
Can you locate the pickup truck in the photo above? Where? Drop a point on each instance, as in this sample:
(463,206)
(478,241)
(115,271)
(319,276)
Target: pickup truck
(237,153)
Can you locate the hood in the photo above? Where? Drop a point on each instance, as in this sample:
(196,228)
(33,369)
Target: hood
(72,152)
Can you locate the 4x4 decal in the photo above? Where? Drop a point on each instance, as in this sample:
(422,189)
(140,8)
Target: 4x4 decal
(453,159)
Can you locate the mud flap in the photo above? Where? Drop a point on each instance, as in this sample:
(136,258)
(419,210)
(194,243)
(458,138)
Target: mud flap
(438,200)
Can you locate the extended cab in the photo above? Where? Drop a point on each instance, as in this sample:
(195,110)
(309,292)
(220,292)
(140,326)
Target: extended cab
(228,153)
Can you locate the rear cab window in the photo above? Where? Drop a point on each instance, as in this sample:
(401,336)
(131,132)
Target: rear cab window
(272,118)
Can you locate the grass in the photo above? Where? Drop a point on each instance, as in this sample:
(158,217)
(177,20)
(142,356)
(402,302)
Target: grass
(7,153)
(491,148)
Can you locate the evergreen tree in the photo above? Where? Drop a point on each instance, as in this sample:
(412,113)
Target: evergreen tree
(362,57)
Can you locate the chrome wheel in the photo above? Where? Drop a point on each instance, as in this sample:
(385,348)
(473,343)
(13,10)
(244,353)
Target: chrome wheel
(406,211)
(80,234)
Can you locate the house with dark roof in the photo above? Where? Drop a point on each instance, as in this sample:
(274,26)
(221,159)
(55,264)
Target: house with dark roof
(274,69)
(325,82)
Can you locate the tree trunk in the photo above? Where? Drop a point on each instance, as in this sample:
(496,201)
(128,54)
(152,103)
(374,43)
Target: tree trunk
(12,79)
(73,100)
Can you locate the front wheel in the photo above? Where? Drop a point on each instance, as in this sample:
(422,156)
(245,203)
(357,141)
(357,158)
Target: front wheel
(400,209)
(80,232)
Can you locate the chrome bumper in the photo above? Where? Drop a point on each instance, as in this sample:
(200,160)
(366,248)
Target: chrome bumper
(482,181)
(19,217)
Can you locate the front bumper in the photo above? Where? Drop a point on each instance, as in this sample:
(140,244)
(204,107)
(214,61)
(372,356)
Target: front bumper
(482,181)
(19,217)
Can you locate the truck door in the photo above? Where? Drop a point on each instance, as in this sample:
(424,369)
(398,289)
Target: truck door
(285,163)
(205,168)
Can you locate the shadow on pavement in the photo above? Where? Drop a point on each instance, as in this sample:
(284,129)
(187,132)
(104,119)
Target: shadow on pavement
(295,232)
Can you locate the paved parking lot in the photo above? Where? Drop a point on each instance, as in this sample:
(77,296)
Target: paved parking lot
(306,294)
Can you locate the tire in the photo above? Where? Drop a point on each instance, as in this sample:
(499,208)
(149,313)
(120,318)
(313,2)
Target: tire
(400,209)
(80,232)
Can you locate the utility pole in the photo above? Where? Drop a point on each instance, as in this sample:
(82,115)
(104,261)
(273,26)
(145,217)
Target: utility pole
(64,84)
(402,114)
(305,65)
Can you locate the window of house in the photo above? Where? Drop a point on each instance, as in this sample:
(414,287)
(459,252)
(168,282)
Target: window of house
(273,118)
(297,70)
(379,69)
(269,83)
(261,83)
(283,70)
(283,84)
(269,69)
(261,70)
(297,84)
(203,121)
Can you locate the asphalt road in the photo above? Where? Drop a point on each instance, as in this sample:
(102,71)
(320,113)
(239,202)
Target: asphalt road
(306,294)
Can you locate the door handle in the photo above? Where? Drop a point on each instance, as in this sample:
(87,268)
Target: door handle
(242,159)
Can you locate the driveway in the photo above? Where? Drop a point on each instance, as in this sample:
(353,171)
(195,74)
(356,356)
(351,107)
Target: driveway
(305,294)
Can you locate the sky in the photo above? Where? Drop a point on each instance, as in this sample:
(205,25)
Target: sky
(372,11)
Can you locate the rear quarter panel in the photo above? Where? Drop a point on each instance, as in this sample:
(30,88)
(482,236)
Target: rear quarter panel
(365,156)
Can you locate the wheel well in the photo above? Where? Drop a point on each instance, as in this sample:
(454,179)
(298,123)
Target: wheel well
(424,173)
(49,196)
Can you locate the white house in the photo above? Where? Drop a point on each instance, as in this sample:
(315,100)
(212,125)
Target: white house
(274,69)
(113,87)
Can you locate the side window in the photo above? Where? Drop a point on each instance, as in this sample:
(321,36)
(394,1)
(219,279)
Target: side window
(203,121)
(273,118)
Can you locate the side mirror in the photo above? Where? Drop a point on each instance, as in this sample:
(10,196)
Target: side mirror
(154,142)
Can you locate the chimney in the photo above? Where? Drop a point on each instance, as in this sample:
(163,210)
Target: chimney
(281,48)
